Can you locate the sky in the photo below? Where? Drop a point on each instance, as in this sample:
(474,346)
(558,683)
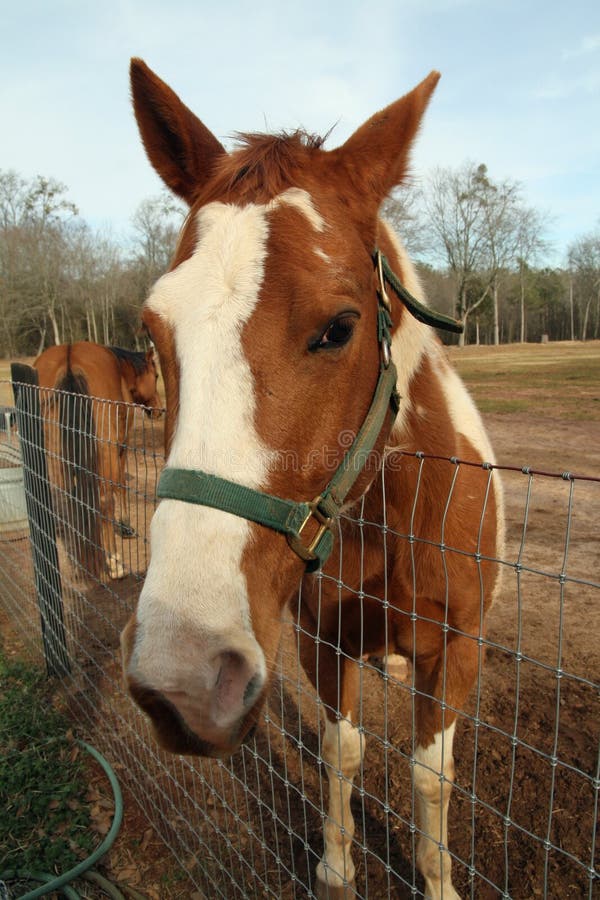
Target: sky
(520,88)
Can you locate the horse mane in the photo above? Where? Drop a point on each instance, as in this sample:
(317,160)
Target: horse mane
(261,166)
(137,358)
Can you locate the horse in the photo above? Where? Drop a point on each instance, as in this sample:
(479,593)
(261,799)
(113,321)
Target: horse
(87,419)
(290,317)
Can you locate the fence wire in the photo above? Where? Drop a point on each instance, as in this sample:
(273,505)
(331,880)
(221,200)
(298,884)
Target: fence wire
(524,809)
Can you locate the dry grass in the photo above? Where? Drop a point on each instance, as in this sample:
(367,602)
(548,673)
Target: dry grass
(558,380)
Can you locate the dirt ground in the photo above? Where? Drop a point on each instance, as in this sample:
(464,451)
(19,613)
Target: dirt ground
(559,627)
(524,811)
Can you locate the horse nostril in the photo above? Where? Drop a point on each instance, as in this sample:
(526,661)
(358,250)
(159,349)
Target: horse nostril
(170,728)
(250,734)
(237,686)
(252,691)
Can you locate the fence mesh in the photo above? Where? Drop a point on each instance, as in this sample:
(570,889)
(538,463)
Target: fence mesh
(524,809)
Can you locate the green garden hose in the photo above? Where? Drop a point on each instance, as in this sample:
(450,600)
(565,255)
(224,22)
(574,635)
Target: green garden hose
(58,883)
(44,877)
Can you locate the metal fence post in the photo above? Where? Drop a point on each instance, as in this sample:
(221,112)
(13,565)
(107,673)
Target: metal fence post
(42,526)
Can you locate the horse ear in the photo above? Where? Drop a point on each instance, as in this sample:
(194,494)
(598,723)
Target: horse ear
(376,155)
(182,150)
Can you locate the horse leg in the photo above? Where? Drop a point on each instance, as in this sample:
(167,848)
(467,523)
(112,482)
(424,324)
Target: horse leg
(444,679)
(126,528)
(123,525)
(336,678)
(107,484)
(114,563)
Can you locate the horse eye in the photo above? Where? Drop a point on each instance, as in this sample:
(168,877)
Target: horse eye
(337,333)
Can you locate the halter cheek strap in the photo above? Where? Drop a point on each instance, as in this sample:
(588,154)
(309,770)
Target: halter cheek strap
(292,517)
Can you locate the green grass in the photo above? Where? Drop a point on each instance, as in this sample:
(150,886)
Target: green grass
(44,819)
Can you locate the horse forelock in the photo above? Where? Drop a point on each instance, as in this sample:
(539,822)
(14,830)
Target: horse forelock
(261,166)
(258,170)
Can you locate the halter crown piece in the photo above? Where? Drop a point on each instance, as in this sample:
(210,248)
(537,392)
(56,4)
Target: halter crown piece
(291,517)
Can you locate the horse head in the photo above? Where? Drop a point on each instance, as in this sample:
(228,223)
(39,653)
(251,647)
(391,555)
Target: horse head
(144,386)
(266,326)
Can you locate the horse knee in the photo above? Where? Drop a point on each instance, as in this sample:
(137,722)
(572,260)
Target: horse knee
(432,782)
(342,747)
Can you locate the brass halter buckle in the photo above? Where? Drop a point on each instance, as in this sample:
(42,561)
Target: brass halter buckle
(307,551)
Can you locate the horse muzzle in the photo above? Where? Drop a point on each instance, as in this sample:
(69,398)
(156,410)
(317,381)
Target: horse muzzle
(206,716)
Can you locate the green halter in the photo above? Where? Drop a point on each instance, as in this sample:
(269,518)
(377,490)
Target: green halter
(291,517)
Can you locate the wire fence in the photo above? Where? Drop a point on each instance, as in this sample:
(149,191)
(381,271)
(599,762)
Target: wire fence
(524,810)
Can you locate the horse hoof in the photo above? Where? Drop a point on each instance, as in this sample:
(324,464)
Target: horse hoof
(325,891)
(125,529)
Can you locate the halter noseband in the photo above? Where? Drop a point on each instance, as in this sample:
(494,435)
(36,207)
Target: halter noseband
(291,517)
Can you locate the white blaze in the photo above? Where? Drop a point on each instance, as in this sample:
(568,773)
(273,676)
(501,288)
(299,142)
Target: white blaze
(195,575)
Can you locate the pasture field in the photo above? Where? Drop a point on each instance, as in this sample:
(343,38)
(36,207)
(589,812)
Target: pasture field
(558,380)
(540,402)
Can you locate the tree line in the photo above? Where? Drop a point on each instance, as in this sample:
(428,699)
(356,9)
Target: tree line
(482,254)
(61,281)
(480,250)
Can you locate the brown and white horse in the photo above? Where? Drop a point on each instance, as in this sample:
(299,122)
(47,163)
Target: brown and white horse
(87,415)
(266,327)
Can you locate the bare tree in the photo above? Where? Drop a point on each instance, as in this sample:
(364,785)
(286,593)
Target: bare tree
(403,209)
(584,267)
(157,222)
(473,229)
(40,216)
(531,244)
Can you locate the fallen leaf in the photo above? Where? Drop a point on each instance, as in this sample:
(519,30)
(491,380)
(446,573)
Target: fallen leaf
(148,835)
(129,875)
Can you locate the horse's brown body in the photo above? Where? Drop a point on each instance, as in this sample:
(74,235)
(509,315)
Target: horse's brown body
(107,381)
(266,326)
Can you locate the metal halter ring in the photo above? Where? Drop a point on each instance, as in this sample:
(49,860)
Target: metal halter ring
(383,294)
(385,353)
